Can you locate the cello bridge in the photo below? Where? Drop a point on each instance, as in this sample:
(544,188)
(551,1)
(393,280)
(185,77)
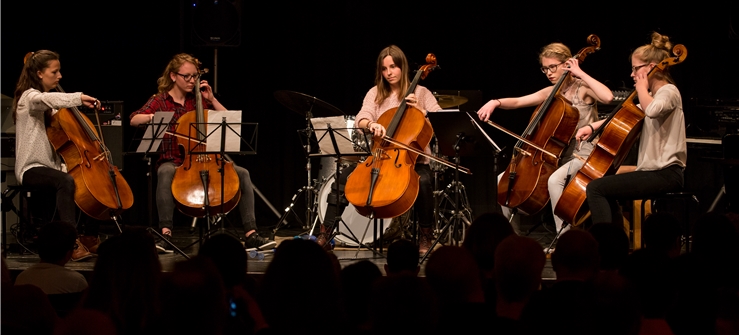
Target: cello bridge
(203,159)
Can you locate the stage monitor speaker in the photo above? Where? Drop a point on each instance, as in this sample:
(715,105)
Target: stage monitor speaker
(216,23)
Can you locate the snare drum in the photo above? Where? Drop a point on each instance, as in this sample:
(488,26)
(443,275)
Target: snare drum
(355,221)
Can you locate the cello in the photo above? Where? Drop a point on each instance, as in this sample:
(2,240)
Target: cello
(536,155)
(196,192)
(386,184)
(619,132)
(101,192)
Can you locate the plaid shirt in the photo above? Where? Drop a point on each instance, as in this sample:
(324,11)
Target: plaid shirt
(163,102)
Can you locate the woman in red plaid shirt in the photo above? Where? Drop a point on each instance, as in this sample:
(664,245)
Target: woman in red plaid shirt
(176,94)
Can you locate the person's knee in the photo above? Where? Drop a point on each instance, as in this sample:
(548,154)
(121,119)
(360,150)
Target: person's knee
(243,174)
(67,184)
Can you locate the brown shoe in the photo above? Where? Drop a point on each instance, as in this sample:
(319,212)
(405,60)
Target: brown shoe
(424,240)
(91,243)
(80,252)
(323,237)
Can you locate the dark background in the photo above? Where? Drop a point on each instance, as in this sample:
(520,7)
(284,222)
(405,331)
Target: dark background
(115,50)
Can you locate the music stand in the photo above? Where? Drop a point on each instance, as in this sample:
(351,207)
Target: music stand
(334,139)
(307,106)
(226,136)
(457,131)
(151,140)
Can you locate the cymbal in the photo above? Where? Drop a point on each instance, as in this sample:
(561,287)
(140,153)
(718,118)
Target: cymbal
(446,101)
(303,103)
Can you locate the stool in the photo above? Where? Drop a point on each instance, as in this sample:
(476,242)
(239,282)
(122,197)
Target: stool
(24,214)
(661,204)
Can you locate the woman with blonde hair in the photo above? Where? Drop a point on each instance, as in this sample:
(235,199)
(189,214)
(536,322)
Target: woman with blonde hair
(582,91)
(176,94)
(663,146)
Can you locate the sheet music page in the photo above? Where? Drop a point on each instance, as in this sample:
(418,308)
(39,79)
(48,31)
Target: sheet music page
(155,130)
(341,133)
(233,131)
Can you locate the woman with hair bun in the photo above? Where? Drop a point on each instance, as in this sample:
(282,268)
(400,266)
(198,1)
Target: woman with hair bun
(662,148)
(580,89)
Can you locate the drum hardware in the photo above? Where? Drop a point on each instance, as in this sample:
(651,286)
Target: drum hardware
(309,107)
(350,219)
(448,101)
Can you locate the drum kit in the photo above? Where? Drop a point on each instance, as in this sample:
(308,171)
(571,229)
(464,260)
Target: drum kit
(316,191)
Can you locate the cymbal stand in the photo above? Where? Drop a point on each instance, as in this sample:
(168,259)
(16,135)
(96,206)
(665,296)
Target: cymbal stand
(309,189)
(461,213)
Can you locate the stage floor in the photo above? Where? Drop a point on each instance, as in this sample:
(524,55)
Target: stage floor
(18,261)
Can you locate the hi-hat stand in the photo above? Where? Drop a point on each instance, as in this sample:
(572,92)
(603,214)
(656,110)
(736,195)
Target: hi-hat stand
(458,131)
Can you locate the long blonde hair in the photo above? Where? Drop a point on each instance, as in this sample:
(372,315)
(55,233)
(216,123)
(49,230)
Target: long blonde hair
(383,88)
(656,52)
(165,81)
(33,63)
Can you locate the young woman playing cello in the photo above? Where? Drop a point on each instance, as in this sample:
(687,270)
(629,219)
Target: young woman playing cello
(176,94)
(662,148)
(37,164)
(391,83)
(580,89)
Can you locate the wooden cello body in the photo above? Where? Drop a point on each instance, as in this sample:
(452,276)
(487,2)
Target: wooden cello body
(101,192)
(386,184)
(524,183)
(619,132)
(199,168)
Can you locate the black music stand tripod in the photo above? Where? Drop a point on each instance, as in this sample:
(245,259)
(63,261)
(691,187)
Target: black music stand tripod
(227,132)
(338,135)
(307,106)
(150,143)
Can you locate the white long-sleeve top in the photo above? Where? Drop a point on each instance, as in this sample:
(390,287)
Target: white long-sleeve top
(663,141)
(32,146)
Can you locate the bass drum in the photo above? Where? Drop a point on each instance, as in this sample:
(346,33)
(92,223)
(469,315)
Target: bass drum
(355,221)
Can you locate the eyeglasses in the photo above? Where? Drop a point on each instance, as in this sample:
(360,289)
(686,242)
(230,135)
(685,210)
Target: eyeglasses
(552,68)
(636,68)
(187,77)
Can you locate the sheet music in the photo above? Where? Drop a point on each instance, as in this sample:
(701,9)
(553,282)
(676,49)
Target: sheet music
(155,131)
(233,131)
(342,133)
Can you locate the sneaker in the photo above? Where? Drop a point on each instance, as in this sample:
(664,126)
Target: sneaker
(258,242)
(80,252)
(163,246)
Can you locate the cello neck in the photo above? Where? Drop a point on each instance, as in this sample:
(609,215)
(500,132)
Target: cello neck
(420,74)
(200,114)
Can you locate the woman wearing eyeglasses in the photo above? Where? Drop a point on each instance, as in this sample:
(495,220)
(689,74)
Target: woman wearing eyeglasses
(662,147)
(176,95)
(580,89)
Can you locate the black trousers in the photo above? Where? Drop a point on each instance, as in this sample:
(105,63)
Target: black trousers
(603,193)
(424,206)
(59,183)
